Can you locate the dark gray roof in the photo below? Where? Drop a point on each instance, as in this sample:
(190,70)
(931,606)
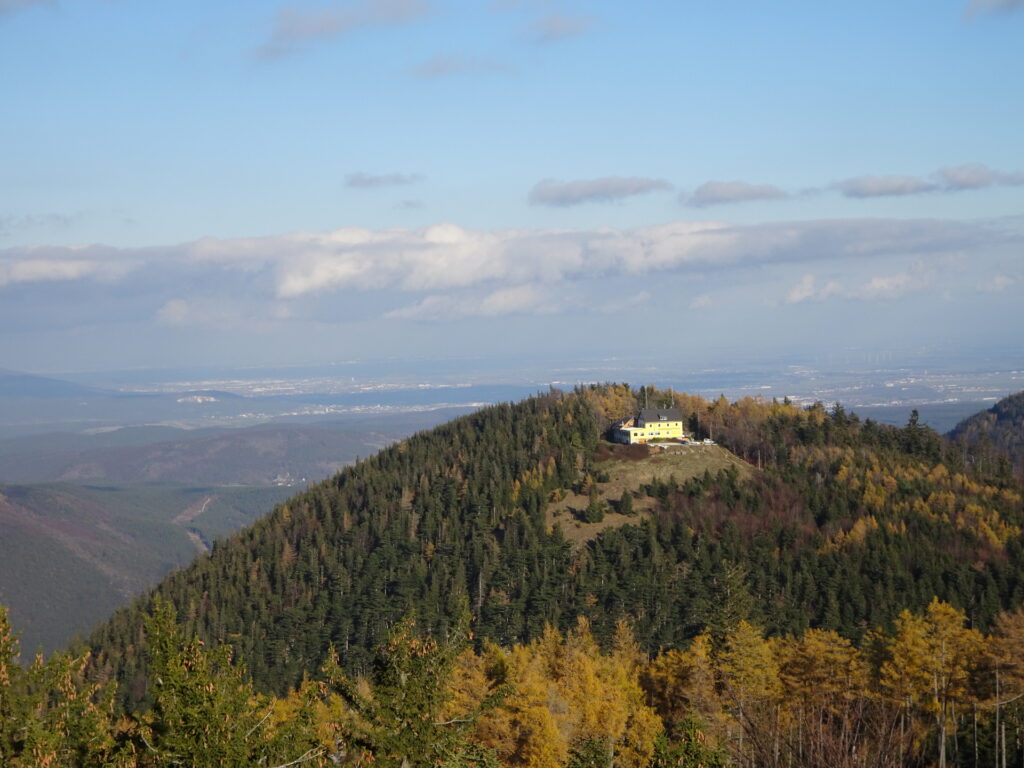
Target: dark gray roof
(660,414)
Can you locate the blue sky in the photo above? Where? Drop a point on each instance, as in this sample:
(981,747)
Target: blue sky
(191,183)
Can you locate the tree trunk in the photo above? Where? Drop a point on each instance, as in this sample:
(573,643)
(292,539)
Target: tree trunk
(997,718)
(956,736)
(942,740)
(975,707)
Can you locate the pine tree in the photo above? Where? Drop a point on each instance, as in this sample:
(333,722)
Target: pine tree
(11,705)
(399,718)
(626,503)
(204,711)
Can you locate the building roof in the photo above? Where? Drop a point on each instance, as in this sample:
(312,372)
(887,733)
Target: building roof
(648,415)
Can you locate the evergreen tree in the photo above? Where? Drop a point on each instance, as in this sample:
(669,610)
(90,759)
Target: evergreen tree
(626,503)
(399,719)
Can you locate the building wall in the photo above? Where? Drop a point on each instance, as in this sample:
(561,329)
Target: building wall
(662,430)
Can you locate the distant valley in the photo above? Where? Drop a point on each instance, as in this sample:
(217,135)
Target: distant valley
(88,520)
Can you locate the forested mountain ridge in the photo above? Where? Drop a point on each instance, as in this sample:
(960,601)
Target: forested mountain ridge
(1001,427)
(846,524)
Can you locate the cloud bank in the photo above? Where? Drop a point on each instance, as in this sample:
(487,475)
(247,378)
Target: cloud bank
(446,256)
(446,270)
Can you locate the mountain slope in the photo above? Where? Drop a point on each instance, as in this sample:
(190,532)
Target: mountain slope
(1000,427)
(845,524)
(17,384)
(70,555)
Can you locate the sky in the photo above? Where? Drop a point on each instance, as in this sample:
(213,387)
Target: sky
(287,183)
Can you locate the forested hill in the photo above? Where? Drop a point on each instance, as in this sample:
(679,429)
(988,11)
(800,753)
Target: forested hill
(1001,427)
(833,523)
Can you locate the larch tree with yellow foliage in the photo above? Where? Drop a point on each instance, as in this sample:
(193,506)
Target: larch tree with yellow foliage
(931,658)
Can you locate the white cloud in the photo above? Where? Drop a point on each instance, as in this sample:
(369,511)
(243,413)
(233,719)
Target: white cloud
(888,287)
(808,289)
(917,277)
(801,291)
(48,269)
(960,178)
(957,178)
(296,26)
(701,302)
(884,186)
(997,284)
(602,190)
(519,299)
(721,192)
(975,176)
(446,256)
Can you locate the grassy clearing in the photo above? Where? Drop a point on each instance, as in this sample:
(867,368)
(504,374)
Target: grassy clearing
(629,468)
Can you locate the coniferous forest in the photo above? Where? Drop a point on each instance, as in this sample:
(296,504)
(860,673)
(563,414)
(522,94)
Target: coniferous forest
(851,597)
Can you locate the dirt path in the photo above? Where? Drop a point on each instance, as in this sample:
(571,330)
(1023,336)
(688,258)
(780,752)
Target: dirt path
(193,511)
(189,514)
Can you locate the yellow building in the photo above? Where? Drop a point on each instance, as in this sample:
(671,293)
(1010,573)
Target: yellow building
(652,424)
